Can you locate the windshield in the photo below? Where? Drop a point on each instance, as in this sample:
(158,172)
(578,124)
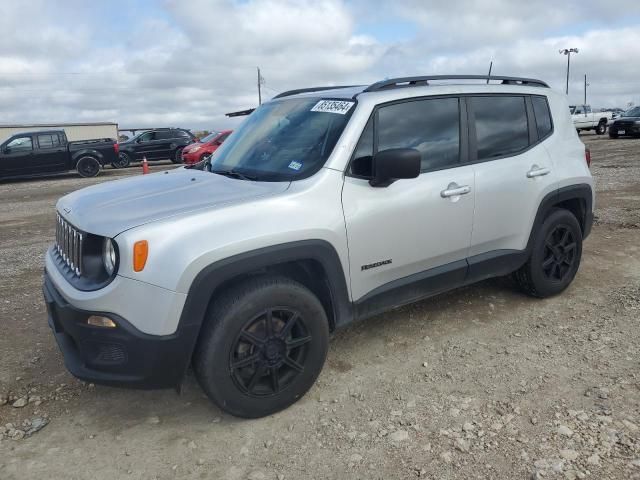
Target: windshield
(284,140)
(209,137)
(634,112)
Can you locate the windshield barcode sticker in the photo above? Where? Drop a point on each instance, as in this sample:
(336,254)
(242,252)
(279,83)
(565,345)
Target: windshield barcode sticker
(333,106)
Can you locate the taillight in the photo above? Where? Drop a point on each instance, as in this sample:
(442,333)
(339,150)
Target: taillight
(116,147)
(587,157)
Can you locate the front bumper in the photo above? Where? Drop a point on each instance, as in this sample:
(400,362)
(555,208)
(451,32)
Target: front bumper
(192,157)
(120,356)
(628,128)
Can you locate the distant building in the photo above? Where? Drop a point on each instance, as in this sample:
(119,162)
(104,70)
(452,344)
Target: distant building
(74,131)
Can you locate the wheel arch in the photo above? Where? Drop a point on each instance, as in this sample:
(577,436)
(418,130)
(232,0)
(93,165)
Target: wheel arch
(313,263)
(86,152)
(578,199)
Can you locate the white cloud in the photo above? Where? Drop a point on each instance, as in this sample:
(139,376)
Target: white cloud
(187,63)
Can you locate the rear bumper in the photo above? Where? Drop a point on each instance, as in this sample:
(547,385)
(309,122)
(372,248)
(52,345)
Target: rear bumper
(120,356)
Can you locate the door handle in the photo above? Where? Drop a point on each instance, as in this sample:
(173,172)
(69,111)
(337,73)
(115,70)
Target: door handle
(537,171)
(454,190)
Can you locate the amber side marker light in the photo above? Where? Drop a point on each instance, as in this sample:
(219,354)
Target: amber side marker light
(140,253)
(96,321)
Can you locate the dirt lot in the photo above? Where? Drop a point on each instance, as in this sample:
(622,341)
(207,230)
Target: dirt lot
(480,383)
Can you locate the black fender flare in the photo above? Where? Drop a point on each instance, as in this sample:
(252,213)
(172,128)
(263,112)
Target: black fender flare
(582,191)
(213,276)
(87,152)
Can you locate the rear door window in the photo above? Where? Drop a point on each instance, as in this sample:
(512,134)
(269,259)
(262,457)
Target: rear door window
(501,125)
(48,141)
(165,135)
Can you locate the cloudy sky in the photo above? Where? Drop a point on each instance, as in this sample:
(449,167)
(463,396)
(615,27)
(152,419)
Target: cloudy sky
(187,62)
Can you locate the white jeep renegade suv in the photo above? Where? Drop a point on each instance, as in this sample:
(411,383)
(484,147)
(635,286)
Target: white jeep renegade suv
(328,205)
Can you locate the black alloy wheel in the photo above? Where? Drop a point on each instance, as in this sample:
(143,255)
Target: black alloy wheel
(177,157)
(262,345)
(559,254)
(269,353)
(123,161)
(556,250)
(88,167)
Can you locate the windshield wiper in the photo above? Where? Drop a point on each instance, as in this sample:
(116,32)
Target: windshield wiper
(234,174)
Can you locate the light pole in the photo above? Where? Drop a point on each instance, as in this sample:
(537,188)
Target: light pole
(585,88)
(568,52)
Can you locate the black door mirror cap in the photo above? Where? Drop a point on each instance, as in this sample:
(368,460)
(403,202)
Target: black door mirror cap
(395,164)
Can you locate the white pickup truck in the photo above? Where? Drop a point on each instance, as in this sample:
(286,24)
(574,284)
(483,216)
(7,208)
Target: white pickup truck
(584,119)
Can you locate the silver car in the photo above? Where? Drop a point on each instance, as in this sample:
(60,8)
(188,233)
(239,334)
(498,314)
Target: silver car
(326,206)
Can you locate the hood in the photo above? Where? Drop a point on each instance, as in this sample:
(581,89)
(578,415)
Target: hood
(111,208)
(626,119)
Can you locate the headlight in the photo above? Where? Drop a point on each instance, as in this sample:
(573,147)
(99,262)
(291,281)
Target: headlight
(194,149)
(109,256)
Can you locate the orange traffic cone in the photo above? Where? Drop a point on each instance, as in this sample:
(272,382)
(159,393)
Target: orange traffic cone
(145,166)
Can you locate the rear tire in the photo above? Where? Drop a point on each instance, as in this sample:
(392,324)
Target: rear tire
(555,256)
(88,166)
(601,128)
(262,346)
(177,158)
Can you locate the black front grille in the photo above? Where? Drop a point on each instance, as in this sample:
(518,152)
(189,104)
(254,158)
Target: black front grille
(69,242)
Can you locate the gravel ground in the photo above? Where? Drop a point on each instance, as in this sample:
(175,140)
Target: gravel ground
(482,382)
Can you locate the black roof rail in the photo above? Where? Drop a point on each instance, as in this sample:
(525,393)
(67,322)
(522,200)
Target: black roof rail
(424,80)
(312,89)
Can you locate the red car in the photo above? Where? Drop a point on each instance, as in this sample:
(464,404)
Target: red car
(202,149)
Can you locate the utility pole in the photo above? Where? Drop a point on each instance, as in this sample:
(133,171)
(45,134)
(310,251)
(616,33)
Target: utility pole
(568,52)
(490,67)
(259,87)
(585,88)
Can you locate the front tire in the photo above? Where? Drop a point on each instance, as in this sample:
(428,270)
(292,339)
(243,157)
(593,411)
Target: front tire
(601,128)
(262,347)
(555,256)
(88,167)
(613,134)
(123,161)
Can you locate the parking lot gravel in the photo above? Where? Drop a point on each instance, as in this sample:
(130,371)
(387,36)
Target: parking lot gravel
(482,382)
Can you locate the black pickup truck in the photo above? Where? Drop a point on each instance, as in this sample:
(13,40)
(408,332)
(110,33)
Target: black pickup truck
(46,152)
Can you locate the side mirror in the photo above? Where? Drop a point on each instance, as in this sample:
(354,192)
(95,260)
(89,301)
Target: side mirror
(6,150)
(395,164)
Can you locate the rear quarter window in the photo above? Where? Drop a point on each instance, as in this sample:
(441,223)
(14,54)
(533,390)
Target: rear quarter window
(542,113)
